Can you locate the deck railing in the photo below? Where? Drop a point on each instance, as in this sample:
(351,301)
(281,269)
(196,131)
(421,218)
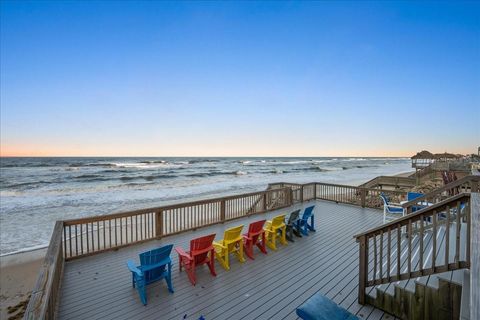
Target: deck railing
(364,197)
(380,250)
(91,235)
(44,298)
(465,184)
(391,181)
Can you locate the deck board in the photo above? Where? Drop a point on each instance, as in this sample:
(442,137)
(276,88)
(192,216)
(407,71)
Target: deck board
(270,287)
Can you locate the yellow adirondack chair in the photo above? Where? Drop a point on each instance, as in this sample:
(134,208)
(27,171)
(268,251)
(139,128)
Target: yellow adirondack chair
(232,242)
(271,231)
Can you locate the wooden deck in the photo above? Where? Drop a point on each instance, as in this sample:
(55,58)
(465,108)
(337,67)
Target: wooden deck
(271,286)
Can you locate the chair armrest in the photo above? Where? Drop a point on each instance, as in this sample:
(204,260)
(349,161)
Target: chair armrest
(393,204)
(183,254)
(133,268)
(218,244)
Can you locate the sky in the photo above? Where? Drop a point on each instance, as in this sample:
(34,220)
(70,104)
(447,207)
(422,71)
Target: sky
(239,78)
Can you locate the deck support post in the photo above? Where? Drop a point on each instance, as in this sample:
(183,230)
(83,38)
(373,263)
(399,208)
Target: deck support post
(363,195)
(222,211)
(363,267)
(265,202)
(159,224)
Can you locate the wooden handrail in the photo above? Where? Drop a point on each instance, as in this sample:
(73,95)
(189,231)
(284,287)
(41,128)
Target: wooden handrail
(453,214)
(43,301)
(92,235)
(474,180)
(410,216)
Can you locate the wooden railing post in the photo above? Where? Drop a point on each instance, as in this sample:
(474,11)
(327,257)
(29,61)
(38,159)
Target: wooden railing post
(363,269)
(222,210)
(474,256)
(301,193)
(363,195)
(265,201)
(315,191)
(158,224)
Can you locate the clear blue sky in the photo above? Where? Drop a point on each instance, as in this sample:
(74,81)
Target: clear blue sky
(249,78)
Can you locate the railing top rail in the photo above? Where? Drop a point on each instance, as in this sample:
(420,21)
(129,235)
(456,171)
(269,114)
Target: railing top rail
(415,215)
(437,191)
(38,303)
(167,207)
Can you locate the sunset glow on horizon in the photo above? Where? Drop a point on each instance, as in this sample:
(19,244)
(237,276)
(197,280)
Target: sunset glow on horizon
(239,78)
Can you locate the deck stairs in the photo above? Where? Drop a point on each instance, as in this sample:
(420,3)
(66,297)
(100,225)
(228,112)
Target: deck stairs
(437,296)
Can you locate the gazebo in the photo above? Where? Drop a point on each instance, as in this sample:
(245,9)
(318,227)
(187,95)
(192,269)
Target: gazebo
(422,159)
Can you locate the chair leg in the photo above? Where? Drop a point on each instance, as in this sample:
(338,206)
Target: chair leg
(283,238)
(191,274)
(211,263)
(241,257)
(312,224)
(262,245)
(168,278)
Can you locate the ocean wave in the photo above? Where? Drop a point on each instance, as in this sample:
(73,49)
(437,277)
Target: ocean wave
(29,184)
(154,161)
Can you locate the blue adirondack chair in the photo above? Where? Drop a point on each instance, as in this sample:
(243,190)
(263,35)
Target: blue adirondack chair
(390,208)
(303,226)
(413,195)
(154,265)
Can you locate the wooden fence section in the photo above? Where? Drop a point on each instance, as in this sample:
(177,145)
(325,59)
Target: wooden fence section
(383,247)
(389,181)
(91,235)
(365,197)
(44,298)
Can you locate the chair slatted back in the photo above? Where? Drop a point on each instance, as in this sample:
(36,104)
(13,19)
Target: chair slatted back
(200,247)
(293,217)
(308,213)
(278,221)
(156,255)
(255,229)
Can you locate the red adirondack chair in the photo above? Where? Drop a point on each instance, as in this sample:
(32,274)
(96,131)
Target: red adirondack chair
(198,255)
(255,236)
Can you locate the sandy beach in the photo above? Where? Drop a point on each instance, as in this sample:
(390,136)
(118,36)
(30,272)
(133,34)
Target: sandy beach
(17,278)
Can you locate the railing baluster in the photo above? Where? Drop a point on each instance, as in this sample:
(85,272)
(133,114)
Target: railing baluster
(374,257)
(457,236)
(86,234)
(389,253)
(468,213)
(421,244)
(447,238)
(399,238)
(434,236)
(409,262)
(381,255)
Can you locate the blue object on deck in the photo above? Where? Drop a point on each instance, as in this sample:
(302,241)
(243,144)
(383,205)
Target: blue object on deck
(154,265)
(302,224)
(319,307)
(413,195)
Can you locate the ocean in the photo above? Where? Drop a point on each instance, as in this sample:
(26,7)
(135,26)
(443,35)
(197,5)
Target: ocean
(35,192)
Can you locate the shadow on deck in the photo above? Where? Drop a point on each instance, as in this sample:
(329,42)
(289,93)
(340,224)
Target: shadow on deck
(271,286)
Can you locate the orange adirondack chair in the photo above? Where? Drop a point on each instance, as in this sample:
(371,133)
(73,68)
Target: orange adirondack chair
(254,236)
(201,252)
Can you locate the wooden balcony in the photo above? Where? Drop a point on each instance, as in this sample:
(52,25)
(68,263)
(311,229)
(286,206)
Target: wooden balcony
(271,286)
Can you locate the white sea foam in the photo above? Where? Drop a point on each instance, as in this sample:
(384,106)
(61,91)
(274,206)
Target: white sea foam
(113,185)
